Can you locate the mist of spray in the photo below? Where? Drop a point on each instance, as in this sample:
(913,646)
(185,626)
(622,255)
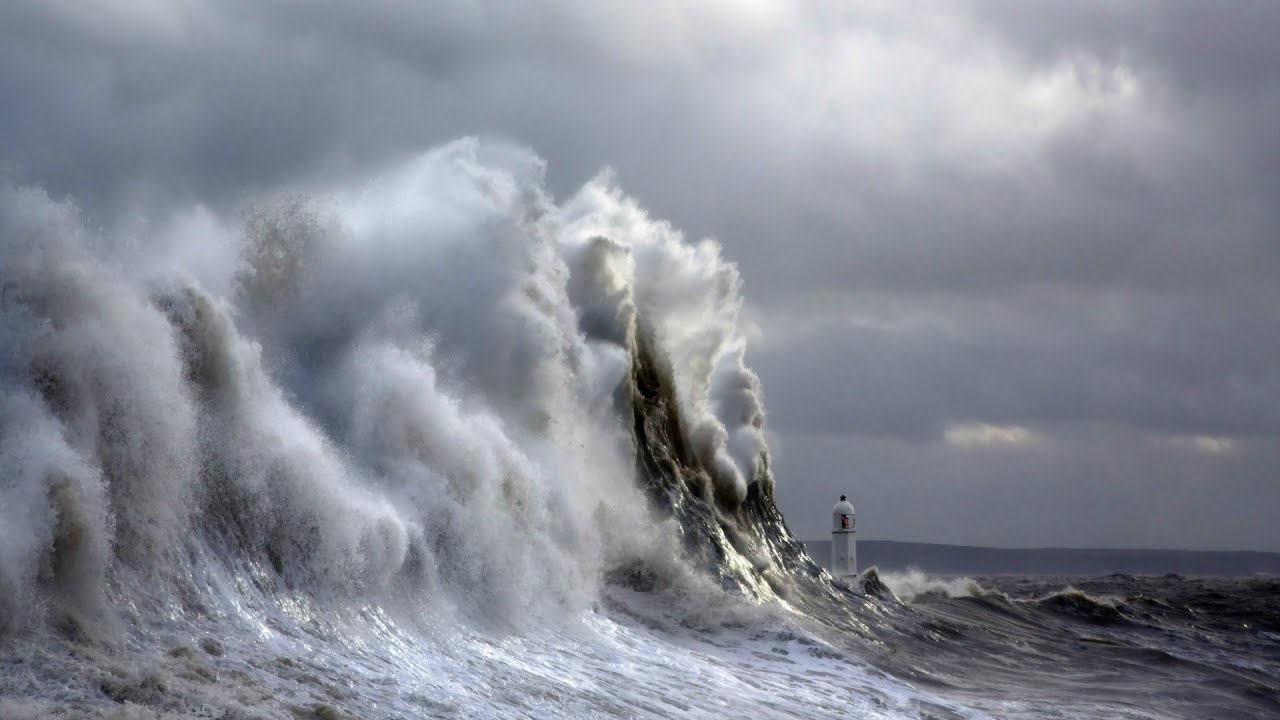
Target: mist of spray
(417,387)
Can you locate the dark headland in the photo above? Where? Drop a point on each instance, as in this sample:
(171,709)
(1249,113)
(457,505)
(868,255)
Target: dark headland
(968,560)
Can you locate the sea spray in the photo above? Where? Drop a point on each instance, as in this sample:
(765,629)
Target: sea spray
(417,386)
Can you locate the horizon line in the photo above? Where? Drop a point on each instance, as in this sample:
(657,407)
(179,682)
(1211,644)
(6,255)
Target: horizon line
(1061,547)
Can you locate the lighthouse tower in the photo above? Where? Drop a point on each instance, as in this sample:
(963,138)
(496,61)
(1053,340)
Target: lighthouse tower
(844,551)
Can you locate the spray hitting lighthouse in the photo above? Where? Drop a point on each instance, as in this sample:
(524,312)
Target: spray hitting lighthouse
(844,551)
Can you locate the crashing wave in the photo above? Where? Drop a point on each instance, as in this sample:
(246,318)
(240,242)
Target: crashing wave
(442,385)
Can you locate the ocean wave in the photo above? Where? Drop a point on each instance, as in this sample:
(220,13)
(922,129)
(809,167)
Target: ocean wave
(916,586)
(436,445)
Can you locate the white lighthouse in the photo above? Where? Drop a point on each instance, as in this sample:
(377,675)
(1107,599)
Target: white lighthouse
(844,550)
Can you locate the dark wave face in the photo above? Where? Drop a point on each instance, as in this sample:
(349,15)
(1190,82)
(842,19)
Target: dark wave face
(440,446)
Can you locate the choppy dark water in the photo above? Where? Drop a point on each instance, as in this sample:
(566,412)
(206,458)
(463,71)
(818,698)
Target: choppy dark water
(1109,646)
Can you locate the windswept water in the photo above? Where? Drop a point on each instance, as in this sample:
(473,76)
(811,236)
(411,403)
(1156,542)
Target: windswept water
(440,445)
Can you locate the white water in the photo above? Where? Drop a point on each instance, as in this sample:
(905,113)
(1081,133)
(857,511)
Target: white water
(369,454)
(913,585)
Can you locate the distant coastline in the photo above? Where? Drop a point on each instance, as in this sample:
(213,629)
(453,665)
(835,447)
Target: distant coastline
(895,556)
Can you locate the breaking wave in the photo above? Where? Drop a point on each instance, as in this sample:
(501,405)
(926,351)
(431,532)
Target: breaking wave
(436,446)
(916,586)
(430,387)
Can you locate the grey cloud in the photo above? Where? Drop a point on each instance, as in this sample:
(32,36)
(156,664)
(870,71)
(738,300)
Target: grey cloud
(1213,66)
(221,101)
(1172,368)
(1050,214)
(1198,46)
(1089,489)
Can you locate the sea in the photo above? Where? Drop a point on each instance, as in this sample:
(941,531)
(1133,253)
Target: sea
(440,445)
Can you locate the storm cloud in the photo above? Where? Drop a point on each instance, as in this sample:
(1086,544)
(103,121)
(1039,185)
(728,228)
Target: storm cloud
(1013,268)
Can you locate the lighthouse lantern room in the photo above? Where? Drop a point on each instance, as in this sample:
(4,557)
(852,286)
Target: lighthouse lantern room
(844,551)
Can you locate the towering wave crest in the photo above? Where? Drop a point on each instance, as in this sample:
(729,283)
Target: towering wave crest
(440,387)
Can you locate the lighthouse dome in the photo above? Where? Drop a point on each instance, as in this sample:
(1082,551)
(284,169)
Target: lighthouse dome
(842,515)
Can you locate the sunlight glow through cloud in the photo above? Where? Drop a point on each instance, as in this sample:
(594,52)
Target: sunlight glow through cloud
(968,435)
(1206,444)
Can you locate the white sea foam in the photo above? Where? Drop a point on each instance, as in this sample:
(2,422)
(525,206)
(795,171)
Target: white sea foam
(395,389)
(370,453)
(915,585)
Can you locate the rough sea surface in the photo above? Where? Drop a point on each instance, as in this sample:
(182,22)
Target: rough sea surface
(1113,646)
(441,445)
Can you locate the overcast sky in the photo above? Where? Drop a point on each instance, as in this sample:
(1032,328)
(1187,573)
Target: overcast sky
(1012,268)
